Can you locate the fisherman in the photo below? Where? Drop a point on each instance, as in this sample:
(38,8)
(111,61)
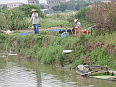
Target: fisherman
(77,26)
(34,17)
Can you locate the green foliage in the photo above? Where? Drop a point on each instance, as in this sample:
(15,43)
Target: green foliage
(76,63)
(76,5)
(70,6)
(2,21)
(81,4)
(48,49)
(103,15)
(112,64)
(99,57)
(82,12)
(27,8)
(2,37)
(13,20)
(50,22)
(50,55)
(56,8)
(62,7)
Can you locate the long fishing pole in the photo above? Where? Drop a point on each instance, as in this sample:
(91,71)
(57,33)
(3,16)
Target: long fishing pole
(26,26)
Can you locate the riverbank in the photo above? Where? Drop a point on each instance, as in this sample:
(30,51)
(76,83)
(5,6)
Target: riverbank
(47,49)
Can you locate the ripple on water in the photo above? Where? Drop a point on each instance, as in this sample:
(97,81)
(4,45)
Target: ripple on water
(15,76)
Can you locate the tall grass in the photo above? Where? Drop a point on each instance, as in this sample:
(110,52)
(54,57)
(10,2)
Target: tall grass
(12,19)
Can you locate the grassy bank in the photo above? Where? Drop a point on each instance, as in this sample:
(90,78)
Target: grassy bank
(99,50)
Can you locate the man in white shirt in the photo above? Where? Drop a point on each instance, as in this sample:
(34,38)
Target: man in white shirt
(78,24)
(77,27)
(34,17)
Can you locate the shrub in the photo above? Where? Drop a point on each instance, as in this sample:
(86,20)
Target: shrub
(82,12)
(52,54)
(103,14)
(13,20)
(27,8)
(99,57)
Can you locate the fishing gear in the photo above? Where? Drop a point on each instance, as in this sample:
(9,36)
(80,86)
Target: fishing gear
(26,26)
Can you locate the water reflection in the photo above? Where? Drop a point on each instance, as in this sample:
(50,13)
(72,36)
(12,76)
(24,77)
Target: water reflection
(15,76)
(16,72)
(49,80)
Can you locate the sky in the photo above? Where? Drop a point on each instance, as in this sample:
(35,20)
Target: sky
(24,1)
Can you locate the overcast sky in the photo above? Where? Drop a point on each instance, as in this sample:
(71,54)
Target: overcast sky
(24,1)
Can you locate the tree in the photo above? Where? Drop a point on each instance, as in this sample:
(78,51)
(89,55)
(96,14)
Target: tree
(56,8)
(77,6)
(63,7)
(81,4)
(70,6)
(26,8)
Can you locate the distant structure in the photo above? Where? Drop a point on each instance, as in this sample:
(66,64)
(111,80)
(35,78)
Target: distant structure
(105,1)
(47,11)
(14,5)
(97,1)
(45,5)
(33,2)
(52,3)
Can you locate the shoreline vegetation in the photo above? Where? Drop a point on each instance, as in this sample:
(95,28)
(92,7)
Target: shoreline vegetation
(47,47)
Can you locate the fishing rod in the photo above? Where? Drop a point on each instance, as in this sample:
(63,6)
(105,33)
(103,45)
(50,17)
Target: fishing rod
(26,26)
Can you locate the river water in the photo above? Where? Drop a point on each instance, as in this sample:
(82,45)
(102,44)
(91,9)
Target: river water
(17,72)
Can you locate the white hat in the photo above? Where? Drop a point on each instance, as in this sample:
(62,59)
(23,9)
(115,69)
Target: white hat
(33,10)
(76,20)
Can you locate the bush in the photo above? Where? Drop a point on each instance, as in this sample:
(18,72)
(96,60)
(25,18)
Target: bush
(103,14)
(2,37)
(82,12)
(76,63)
(52,54)
(27,8)
(13,20)
(99,57)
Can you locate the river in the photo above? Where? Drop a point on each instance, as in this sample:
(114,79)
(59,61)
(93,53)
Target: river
(17,72)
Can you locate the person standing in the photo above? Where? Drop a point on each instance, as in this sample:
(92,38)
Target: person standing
(35,22)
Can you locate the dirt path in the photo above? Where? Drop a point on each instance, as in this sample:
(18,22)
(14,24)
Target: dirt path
(31,30)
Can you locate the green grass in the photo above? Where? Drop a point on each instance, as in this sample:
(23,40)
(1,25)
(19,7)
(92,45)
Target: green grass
(50,22)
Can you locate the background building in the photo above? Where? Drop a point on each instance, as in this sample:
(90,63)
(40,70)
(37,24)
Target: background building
(33,2)
(14,5)
(52,3)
